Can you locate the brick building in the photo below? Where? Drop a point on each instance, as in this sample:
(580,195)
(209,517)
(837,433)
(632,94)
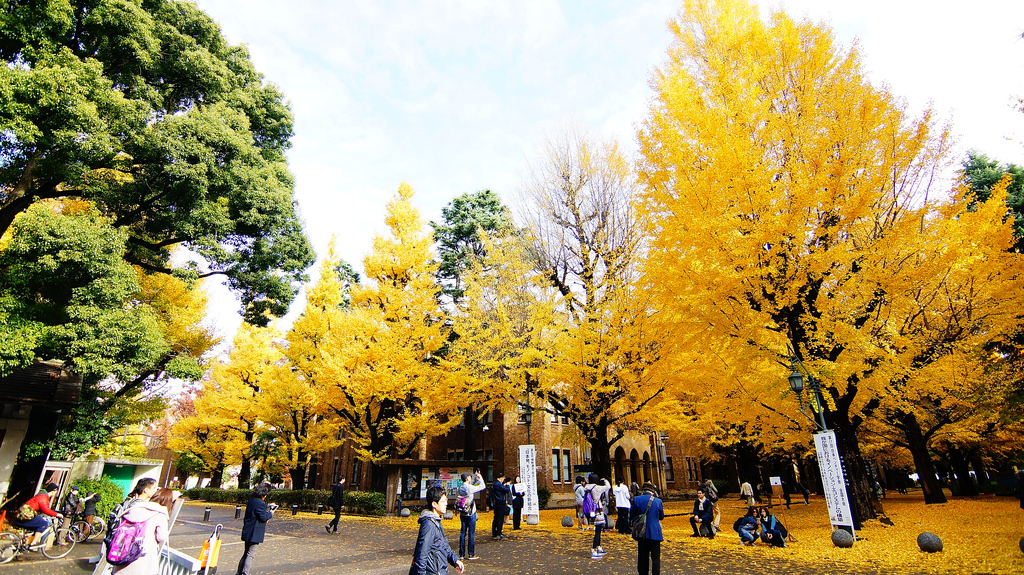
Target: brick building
(495,439)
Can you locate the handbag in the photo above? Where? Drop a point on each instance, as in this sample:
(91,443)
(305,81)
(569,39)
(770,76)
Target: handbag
(25,513)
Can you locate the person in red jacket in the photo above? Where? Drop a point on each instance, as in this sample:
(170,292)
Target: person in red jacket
(41,505)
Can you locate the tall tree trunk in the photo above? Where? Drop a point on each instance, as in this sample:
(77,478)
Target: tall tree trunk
(379,478)
(923,464)
(984,482)
(245,473)
(600,456)
(469,422)
(217,476)
(962,470)
(858,484)
(298,475)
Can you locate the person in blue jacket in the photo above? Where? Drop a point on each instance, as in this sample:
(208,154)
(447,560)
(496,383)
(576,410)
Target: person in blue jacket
(254,525)
(772,530)
(433,553)
(703,515)
(648,549)
(747,527)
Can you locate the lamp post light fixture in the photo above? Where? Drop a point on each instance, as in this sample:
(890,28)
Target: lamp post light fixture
(528,420)
(796,383)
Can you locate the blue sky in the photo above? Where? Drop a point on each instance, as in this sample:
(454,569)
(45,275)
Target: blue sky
(455,96)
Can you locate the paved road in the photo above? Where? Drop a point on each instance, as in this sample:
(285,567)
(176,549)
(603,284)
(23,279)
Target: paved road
(299,545)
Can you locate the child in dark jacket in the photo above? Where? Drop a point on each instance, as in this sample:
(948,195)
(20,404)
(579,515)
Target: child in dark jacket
(433,554)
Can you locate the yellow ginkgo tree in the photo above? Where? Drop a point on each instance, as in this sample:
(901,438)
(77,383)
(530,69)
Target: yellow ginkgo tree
(786,200)
(380,369)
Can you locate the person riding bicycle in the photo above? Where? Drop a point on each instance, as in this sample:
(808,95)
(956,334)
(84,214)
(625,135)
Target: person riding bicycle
(40,505)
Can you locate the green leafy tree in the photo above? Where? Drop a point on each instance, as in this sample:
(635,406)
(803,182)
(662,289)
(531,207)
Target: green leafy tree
(982,174)
(143,108)
(460,236)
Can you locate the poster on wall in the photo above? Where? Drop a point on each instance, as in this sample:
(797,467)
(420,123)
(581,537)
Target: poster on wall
(833,481)
(448,477)
(528,478)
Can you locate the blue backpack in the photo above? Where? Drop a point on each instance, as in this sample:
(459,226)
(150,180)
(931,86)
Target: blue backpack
(589,505)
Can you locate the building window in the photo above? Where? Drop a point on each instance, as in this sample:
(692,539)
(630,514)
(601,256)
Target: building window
(486,418)
(335,474)
(456,455)
(566,468)
(691,469)
(486,454)
(556,475)
(670,476)
(558,415)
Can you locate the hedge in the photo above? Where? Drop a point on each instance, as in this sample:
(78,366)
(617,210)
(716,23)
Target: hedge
(366,502)
(111,494)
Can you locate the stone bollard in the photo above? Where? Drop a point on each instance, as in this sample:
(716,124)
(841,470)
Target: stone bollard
(295,509)
(405,512)
(929,542)
(238,511)
(1021,544)
(448,515)
(533,519)
(842,539)
(206,514)
(319,509)
(568,521)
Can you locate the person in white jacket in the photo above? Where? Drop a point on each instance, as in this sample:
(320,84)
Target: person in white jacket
(156,514)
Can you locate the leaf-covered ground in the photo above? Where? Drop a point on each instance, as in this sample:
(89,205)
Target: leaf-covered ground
(979,535)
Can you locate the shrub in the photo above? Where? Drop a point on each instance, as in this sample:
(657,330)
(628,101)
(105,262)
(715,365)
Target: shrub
(355,501)
(111,493)
(543,496)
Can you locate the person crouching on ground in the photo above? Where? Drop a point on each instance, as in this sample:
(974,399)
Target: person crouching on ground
(703,515)
(772,531)
(747,526)
(648,548)
(433,554)
(467,514)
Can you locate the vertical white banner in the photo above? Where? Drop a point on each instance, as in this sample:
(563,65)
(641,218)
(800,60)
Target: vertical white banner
(832,479)
(528,476)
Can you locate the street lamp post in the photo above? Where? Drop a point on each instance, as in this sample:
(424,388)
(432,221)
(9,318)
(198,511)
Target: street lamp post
(528,420)
(796,383)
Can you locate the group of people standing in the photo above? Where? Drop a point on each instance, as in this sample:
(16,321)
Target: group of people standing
(642,507)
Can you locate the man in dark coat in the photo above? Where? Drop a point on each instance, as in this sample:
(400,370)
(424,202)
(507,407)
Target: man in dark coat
(254,526)
(703,514)
(433,554)
(499,494)
(336,501)
(648,548)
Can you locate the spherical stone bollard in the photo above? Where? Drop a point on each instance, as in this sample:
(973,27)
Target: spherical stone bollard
(842,539)
(929,542)
(568,521)
(533,520)
(1022,544)
(448,515)
(405,512)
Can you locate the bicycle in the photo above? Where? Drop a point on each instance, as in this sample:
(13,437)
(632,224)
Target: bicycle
(86,531)
(14,543)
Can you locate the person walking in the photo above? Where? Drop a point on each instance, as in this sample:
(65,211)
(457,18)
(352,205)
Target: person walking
(596,490)
(518,492)
(747,494)
(648,548)
(336,501)
(466,506)
(432,553)
(155,514)
(254,525)
(703,515)
(622,505)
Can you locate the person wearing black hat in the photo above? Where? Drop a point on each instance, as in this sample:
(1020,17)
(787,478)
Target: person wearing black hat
(648,547)
(39,507)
